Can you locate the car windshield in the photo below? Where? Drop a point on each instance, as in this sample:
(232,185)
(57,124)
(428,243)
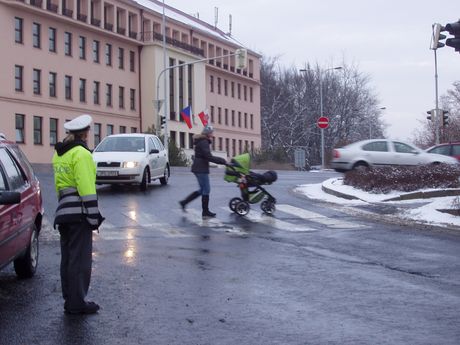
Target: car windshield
(122,144)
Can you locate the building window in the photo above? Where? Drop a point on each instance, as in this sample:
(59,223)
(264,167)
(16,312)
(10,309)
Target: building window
(227,146)
(245,120)
(37,130)
(233,118)
(121,58)
(133,130)
(131,61)
(181,86)
(239,90)
(18,30)
(82,90)
(97,133)
(245,92)
(108,54)
(68,43)
(182,140)
(52,39)
(220,144)
(121,97)
(172,96)
(36,28)
(226,116)
(250,95)
(68,87)
(251,121)
(82,47)
(190,85)
(122,129)
(109,129)
(108,95)
(218,85)
(232,89)
(52,83)
(219,115)
(96,51)
(20,125)
(18,75)
(211,83)
(239,119)
(96,92)
(225,87)
(132,99)
(53,131)
(212,114)
(190,140)
(36,75)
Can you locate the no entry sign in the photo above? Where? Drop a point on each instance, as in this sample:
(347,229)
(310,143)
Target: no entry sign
(323,122)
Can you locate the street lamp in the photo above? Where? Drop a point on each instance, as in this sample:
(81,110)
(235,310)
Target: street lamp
(321,105)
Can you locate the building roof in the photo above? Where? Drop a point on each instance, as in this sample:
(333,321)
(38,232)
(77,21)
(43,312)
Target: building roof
(199,25)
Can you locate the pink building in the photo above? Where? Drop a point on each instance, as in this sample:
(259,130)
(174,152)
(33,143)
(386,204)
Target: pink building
(62,58)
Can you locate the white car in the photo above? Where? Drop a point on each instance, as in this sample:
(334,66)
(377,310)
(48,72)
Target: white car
(378,152)
(131,159)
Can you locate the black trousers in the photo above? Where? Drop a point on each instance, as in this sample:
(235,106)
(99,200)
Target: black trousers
(76,261)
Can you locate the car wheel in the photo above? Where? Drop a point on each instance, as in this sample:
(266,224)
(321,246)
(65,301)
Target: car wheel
(361,166)
(26,265)
(145,180)
(232,203)
(165,178)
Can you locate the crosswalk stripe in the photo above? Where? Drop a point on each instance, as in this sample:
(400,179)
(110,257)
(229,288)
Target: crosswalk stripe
(319,218)
(258,217)
(194,216)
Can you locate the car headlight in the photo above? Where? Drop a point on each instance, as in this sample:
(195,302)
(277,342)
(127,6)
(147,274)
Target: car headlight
(130,165)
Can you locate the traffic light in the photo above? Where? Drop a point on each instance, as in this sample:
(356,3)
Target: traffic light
(241,56)
(437,36)
(162,121)
(454,29)
(445,117)
(431,114)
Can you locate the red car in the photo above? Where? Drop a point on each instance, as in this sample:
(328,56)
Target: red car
(21,210)
(447,149)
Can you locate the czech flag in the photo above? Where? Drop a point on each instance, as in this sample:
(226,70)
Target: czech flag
(204,117)
(186,115)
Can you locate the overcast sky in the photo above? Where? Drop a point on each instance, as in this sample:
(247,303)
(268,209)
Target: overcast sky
(387,39)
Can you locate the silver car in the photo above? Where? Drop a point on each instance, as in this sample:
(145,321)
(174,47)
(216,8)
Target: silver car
(131,159)
(378,152)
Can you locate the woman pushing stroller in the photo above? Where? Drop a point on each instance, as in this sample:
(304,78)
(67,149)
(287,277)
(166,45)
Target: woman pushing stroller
(200,167)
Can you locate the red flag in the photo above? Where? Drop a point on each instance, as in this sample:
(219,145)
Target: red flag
(204,117)
(186,115)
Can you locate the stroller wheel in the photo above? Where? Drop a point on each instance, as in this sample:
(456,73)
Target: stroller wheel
(242,208)
(233,202)
(268,207)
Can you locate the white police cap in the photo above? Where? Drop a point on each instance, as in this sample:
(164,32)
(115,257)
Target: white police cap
(79,123)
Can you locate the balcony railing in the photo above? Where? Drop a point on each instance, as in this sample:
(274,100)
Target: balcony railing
(51,7)
(152,35)
(67,12)
(108,26)
(95,22)
(132,34)
(82,17)
(121,31)
(37,3)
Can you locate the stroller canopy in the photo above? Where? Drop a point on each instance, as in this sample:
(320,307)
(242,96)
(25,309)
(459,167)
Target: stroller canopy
(241,164)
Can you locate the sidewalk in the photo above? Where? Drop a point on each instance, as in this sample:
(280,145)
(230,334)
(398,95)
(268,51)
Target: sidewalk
(431,206)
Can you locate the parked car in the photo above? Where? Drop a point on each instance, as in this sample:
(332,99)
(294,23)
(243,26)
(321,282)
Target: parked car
(377,152)
(21,211)
(448,149)
(131,159)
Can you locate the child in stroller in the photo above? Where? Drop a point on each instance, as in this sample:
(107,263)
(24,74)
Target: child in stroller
(250,184)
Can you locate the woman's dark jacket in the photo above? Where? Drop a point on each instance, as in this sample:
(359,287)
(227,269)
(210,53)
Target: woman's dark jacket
(203,155)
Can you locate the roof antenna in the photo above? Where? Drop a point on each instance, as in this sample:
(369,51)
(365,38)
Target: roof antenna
(216,16)
(229,24)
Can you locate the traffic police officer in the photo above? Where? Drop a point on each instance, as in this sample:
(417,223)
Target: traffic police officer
(77,214)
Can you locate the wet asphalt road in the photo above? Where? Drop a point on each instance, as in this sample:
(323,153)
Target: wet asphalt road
(164,277)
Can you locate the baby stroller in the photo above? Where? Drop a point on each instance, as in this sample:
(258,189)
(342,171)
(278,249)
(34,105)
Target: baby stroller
(250,184)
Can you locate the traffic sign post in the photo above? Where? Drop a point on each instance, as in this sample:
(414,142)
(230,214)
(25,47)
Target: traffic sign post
(322,123)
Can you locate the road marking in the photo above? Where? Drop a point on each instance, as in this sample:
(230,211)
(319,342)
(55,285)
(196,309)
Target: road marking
(258,217)
(319,218)
(194,216)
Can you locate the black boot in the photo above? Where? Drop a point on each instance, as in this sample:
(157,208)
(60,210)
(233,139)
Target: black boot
(205,204)
(191,197)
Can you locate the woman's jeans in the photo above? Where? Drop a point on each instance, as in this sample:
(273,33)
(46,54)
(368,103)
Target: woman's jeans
(203,181)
